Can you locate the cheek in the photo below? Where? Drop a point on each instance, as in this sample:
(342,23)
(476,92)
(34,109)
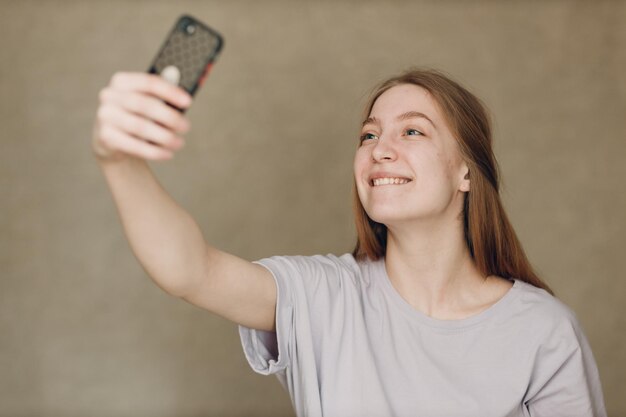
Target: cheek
(445,165)
(357,171)
(360,162)
(436,173)
(455,171)
(452,159)
(431,165)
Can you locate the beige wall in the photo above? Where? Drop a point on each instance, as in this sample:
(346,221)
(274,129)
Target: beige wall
(267,170)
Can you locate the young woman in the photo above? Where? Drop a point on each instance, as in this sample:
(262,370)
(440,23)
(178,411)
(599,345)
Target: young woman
(437,312)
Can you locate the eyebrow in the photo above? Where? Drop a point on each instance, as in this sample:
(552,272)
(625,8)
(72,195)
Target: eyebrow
(403,116)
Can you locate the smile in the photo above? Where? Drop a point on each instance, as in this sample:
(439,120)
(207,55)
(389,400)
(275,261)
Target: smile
(389,181)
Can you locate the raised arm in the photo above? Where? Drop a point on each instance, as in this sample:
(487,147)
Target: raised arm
(133,125)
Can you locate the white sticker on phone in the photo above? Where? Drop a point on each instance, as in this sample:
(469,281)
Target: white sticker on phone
(171,74)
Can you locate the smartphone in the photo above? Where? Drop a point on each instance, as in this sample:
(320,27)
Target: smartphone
(187,54)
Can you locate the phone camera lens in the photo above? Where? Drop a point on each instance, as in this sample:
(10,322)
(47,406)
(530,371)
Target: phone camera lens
(190,29)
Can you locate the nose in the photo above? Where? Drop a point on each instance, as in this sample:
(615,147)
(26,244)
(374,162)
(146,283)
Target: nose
(383,151)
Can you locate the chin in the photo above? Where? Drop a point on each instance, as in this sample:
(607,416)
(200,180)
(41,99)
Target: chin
(385,215)
(391,215)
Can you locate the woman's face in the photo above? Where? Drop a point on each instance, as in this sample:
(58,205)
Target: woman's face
(408,167)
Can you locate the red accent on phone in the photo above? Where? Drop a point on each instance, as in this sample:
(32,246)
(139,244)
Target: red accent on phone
(205,74)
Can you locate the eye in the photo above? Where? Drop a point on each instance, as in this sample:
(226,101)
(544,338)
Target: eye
(413,132)
(368,136)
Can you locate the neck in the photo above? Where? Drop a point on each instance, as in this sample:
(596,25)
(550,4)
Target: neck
(431,267)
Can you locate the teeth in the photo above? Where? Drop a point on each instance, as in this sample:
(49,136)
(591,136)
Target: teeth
(389,181)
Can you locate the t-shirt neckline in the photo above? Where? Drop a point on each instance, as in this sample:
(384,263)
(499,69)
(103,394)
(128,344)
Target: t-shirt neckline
(453,324)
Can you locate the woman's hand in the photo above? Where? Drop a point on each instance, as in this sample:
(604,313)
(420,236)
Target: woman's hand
(134,120)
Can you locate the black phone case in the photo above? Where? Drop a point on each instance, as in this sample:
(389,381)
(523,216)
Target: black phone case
(191,47)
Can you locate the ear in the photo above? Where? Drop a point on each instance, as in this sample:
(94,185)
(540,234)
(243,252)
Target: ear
(465,182)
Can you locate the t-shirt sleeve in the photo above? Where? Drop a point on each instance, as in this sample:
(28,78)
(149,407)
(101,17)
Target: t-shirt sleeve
(308,287)
(268,352)
(565,378)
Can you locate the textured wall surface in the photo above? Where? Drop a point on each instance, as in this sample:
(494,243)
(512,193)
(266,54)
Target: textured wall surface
(267,170)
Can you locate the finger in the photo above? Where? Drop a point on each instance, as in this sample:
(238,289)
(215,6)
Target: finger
(121,141)
(139,127)
(147,106)
(151,84)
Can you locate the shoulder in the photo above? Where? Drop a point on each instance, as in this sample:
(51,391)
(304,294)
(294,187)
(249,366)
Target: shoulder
(318,280)
(564,374)
(544,315)
(550,333)
(327,262)
(540,302)
(314,268)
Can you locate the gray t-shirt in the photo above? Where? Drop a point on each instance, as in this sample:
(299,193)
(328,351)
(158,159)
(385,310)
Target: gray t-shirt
(348,345)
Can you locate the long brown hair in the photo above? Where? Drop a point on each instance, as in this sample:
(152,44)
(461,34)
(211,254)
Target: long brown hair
(489,235)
